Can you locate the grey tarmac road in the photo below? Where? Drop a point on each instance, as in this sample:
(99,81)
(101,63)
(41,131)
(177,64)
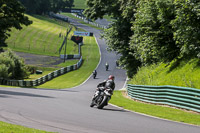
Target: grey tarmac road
(68,111)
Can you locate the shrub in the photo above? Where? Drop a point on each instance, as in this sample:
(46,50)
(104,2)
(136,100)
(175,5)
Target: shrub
(12,66)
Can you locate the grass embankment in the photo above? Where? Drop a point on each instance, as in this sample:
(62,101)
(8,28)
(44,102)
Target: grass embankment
(79,4)
(91,56)
(43,37)
(10,128)
(154,110)
(177,73)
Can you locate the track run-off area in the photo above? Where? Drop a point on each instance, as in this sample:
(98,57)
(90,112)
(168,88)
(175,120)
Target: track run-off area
(67,110)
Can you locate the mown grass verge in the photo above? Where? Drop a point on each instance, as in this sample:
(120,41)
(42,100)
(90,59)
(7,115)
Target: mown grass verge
(173,114)
(10,128)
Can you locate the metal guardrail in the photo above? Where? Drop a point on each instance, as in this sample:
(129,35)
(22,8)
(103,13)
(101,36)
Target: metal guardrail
(41,80)
(181,97)
(89,22)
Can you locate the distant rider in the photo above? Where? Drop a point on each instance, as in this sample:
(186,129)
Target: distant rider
(94,74)
(107,66)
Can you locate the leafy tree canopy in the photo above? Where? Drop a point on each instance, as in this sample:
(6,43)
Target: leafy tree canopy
(44,6)
(119,33)
(150,31)
(11,15)
(12,67)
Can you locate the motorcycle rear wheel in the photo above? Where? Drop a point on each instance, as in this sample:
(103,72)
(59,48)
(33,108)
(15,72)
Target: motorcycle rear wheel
(103,102)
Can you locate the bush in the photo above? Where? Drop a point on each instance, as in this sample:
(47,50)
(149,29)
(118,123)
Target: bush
(12,66)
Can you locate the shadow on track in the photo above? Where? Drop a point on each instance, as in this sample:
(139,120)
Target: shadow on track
(3,93)
(119,110)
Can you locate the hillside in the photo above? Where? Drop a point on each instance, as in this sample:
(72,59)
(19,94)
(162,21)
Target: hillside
(79,4)
(44,37)
(183,73)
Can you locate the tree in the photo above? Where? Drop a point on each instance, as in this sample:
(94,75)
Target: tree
(41,7)
(119,33)
(150,31)
(11,15)
(12,67)
(187,27)
(153,33)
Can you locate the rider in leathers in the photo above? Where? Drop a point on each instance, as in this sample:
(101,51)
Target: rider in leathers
(107,84)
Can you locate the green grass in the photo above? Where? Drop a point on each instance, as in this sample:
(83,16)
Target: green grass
(69,15)
(79,4)
(42,37)
(154,110)
(10,128)
(91,56)
(177,73)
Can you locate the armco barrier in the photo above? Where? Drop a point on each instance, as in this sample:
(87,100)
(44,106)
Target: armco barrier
(92,23)
(181,97)
(41,80)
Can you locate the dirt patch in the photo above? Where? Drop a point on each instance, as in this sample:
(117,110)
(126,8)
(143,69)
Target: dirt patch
(40,60)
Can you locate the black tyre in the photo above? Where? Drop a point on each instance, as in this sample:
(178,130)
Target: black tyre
(103,103)
(92,104)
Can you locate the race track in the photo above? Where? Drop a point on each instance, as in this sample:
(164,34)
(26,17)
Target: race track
(68,111)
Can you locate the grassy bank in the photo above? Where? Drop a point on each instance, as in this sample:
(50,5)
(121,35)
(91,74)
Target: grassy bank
(154,110)
(183,73)
(44,36)
(178,73)
(79,4)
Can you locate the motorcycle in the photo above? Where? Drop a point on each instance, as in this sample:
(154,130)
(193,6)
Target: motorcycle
(94,76)
(107,66)
(101,98)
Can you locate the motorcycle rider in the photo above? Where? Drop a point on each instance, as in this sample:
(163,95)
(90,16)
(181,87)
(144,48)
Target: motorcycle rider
(107,66)
(94,74)
(106,84)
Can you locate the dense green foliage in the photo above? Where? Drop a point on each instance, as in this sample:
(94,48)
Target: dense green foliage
(187,27)
(119,33)
(146,32)
(11,15)
(44,6)
(153,34)
(12,67)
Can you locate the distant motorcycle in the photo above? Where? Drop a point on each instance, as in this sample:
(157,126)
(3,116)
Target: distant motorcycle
(94,74)
(101,97)
(107,66)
